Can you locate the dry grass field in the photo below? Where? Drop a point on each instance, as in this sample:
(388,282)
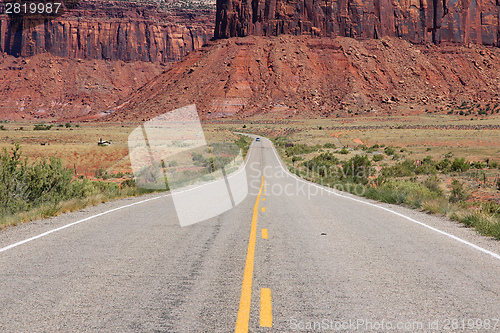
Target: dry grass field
(412,139)
(436,132)
(441,164)
(427,135)
(77,145)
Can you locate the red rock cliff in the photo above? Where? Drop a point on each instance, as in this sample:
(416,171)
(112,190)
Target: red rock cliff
(418,21)
(110,31)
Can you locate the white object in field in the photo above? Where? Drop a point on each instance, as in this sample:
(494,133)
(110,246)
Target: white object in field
(159,142)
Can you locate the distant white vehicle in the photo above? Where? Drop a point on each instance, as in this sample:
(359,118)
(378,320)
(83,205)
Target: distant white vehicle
(258,139)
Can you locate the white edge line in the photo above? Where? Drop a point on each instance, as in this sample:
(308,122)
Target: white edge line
(77,222)
(11,246)
(493,254)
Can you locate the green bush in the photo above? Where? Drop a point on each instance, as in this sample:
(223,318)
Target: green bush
(42,184)
(490,208)
(378,158)
(389,151)
(357,169)
(296,158)
(444,165)
(401,169)
(42,127)
(428,160)
(484,224)
(301,149)
(477,165)
(84,188)
(329,145)
(324,164)
(460,165)
(24,186)
(243,142)
(432,183)
(401,192)
(47,181)
(219,162)
(458,192)
(344,151)
(281,141)
(101,173)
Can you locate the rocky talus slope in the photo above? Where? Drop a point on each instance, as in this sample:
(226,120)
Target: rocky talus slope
(288,76)
(74,66)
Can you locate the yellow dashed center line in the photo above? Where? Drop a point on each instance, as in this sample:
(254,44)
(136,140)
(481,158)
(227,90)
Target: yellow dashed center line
(246,287)
(266,310)
(263,209)
(264,234)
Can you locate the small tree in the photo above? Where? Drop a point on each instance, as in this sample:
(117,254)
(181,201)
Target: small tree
(458,192)
(344,151)
(357,169)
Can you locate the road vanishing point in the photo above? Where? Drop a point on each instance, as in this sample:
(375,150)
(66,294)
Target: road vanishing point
(292,257)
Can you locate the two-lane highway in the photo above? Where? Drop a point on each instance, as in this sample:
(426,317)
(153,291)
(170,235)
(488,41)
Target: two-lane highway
(290,257)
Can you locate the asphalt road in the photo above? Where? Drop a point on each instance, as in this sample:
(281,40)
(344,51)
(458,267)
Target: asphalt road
(330,263)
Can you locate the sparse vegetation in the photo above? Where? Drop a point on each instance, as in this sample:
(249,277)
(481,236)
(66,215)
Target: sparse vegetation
(389,151)
(344,151)
(44,188)
(243,142)
(415,183)
(42,127)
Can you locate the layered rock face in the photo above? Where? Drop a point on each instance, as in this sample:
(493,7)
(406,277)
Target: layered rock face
(418,21)
(125,32)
